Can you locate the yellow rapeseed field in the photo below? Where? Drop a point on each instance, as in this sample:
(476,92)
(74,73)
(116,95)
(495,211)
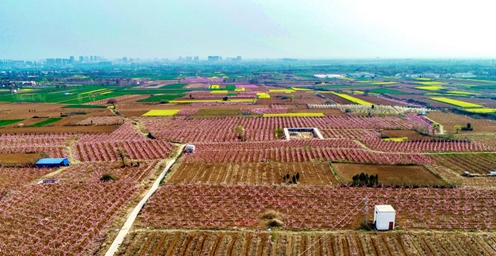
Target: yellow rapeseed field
(457,103)
(263,95)
(161,112)
(481,110)
(430,87)
(202,101)
(220,92)
(352,99)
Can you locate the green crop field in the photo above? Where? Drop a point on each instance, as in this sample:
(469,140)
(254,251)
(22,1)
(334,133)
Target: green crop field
(387,91)
(158,98)
(78,95)
(46,122)
(9,121)
(230,87)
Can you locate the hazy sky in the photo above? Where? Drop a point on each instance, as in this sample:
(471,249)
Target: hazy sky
(37,29)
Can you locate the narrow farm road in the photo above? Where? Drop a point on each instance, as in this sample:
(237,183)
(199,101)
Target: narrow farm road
(132,217)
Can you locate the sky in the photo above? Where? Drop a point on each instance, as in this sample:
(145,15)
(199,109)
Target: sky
(311,29)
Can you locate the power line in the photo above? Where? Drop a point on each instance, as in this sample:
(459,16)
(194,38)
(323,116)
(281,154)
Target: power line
(328,232)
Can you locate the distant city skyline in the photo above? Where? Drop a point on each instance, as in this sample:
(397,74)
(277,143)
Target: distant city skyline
(315,29)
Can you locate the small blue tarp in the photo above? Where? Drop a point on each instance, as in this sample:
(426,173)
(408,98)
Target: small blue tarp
(52,162)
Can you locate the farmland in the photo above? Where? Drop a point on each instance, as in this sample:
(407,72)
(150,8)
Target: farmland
(304,243)
(246,188)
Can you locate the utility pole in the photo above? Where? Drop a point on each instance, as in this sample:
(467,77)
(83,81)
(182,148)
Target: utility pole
(366,209)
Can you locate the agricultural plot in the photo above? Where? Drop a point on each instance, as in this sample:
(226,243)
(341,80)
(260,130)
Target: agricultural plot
(51,145)
(46,122)
(352,99)
(473,163)
(164,112)
(262,129)
(143,242)
(458,103)
(41,219)
(19,159)
(427,146)
(9,122)
(450,120)
(316,207)
(310,173)
(390,175)
(105,147)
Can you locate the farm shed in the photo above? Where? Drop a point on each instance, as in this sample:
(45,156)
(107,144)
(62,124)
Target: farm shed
(52,162)
(384,217)
(190,148)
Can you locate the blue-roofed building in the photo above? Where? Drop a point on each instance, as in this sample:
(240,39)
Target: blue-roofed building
(52,162)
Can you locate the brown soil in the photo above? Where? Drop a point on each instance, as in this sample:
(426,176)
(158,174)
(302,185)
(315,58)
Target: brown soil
(379,101)
(311,173)
(389,174)
(20,159)
(337,99)
(412,135)
(159,242)
(449,120)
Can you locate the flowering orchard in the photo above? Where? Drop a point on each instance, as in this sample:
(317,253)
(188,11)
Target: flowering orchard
(54,145)
(59,219)
(92,172)
(316,207)
(426,146)
(103,147)
(303,154)
(221,129)
(246,242)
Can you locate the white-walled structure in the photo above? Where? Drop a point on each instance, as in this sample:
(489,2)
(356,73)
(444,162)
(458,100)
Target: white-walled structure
(190,148)
(384,217)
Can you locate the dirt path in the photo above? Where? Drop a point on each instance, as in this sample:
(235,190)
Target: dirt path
(132,217)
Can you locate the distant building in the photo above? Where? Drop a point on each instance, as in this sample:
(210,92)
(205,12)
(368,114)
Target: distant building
(214,58)
(50,62)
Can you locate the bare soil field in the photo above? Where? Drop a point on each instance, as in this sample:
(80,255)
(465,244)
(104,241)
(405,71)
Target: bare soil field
(473,163)
(20,159)
(336,99)
(310,173)
(388,174)
(411,135)
(449,120)
(158,242)
(196,85)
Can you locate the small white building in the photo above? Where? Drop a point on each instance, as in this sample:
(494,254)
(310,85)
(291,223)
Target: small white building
(384,217)
(190,148)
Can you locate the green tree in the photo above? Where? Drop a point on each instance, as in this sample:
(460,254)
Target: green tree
(469,127)
(240,132)
(458,128)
